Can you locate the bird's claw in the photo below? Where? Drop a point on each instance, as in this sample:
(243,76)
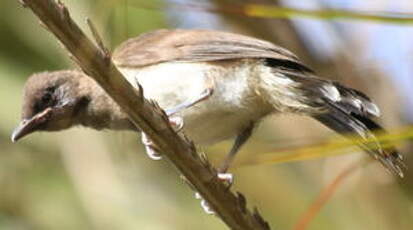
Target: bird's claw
(152,150)
(227,178)
(204,204)
(177,123)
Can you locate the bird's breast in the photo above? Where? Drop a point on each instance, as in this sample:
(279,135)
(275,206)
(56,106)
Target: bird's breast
(232,106)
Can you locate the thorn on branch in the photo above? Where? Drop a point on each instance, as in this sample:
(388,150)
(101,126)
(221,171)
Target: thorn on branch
(140,91)
(99,41)
(203,157)
(159,110)
(191,145)
(260,220)
(242,202)
(63,11)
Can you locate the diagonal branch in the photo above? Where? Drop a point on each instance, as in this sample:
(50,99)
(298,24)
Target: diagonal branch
(148,116)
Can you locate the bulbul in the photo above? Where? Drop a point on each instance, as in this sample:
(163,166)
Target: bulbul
(220,84)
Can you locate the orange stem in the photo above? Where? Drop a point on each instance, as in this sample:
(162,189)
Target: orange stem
(323,197)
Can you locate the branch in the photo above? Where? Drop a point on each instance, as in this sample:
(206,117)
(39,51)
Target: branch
(148,116)
(325,195)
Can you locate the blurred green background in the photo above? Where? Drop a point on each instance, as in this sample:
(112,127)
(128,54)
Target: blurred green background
(83,179)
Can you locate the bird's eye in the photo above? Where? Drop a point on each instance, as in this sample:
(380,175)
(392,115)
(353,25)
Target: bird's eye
(46,97)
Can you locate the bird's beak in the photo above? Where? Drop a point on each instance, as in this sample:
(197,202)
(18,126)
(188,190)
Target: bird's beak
(31,125)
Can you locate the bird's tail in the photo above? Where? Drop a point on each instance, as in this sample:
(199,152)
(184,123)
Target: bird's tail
(344,110)
(349,116)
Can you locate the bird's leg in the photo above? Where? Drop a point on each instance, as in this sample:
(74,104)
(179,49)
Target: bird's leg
(239,141)
(222,170)
(176,122)
(187,104)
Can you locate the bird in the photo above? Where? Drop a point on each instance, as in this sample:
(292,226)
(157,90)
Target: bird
(220,84)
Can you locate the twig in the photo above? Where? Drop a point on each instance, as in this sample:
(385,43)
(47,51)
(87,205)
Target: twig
(97,38)
(148,116)
(325,195)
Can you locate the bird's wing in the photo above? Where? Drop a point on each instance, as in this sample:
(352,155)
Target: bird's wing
(195,46)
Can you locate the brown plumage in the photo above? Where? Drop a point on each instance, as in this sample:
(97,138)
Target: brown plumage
(195,46)
(246,80)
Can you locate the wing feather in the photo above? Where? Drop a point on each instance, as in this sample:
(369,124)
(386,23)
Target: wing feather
(195,46)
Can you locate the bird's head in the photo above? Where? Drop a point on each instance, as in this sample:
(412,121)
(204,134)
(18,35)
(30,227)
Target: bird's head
(51,102)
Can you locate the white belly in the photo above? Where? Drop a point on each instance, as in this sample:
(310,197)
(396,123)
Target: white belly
(225,114)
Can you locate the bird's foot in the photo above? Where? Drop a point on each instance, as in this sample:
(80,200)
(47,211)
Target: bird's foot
(177,123)
(152,150)
(204,204)
(226,178)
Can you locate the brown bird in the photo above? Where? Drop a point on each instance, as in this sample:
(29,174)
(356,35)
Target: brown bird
(221,85)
